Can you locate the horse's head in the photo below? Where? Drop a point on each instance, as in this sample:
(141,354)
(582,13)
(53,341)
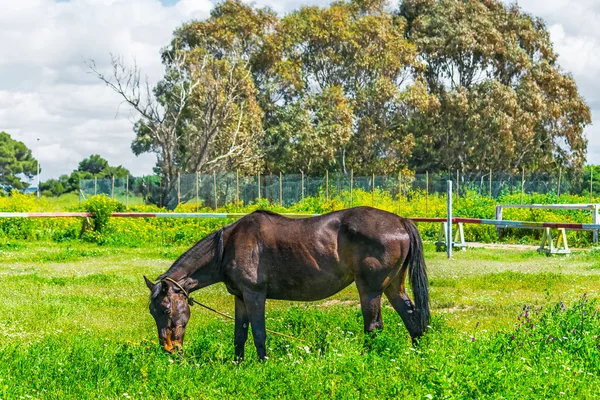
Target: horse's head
(170,309)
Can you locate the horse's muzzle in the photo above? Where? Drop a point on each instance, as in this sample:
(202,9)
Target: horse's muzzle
(172,339)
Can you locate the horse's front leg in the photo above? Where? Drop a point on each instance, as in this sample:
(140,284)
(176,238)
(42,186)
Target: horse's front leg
(255,304)
(241,328)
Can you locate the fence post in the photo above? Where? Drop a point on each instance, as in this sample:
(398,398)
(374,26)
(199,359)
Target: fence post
(215,188)
(591,184)
(373,191)
(178,188)
(258,185)
(197,191)
(127,191)
(280,188)
(490,183)
(399,190)
(302,172)
(95,184)
(112,193)
(449,221)
(499,218)
(351,186)
(596,221)
(457,176)
(237,187)
(522,183)
(559,178)
(426,193)
(327,185)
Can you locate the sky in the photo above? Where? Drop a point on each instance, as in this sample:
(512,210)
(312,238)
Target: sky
(47,92)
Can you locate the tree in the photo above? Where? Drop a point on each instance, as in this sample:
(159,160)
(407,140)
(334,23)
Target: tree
(203,114)
(97,167)
(52,187)
(94,164)
(306,136)
(357,50)
(16,163)
(504,101)
(92,167)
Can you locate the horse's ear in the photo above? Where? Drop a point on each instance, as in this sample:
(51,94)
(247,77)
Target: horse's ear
(149,283)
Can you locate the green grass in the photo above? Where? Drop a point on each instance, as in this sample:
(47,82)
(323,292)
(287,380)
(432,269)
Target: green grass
(75,324)
(63,202)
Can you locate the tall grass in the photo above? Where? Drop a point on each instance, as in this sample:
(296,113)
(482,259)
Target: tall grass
(75,325)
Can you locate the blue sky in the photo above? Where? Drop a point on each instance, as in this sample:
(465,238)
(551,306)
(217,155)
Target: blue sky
(46,92)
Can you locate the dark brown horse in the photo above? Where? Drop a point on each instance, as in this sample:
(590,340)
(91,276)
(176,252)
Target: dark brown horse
(268,256)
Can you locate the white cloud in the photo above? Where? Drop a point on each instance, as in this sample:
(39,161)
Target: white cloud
(46,92)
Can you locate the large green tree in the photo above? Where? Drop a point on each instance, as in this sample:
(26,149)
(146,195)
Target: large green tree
(16,163)
(504,101)
(357,50)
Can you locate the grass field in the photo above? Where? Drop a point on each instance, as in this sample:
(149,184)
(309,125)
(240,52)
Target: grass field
(75,324)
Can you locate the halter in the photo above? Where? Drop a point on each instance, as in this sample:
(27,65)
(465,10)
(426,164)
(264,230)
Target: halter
(190,301)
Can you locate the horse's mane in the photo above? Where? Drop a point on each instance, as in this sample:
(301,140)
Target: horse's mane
(212,242)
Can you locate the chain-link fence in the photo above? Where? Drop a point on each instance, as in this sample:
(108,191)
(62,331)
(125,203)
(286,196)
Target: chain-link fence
(220,189)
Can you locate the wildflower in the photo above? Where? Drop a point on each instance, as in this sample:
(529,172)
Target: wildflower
(477,324)
(472,338)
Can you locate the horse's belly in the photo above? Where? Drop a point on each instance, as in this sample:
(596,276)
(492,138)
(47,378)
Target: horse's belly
(307,282)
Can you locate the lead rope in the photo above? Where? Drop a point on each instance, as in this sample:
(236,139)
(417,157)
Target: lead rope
(191,302)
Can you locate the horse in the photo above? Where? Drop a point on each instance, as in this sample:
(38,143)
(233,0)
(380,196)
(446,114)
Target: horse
(265,255)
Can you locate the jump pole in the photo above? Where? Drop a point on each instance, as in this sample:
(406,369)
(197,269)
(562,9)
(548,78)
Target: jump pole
(449,221)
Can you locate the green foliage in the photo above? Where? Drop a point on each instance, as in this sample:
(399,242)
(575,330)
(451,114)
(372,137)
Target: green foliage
(94,164)
(504,102)
(89,168)
(102,207)
(139,231)
(16,162)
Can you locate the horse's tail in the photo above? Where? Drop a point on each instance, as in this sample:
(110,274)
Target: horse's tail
(418,276)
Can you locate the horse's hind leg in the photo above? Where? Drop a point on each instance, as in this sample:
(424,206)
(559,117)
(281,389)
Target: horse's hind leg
(241,328)
(396,294)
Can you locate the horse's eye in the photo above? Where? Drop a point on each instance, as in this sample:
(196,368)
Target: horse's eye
(167,311)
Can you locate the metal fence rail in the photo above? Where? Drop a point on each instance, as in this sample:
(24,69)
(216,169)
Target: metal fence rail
(455,220)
